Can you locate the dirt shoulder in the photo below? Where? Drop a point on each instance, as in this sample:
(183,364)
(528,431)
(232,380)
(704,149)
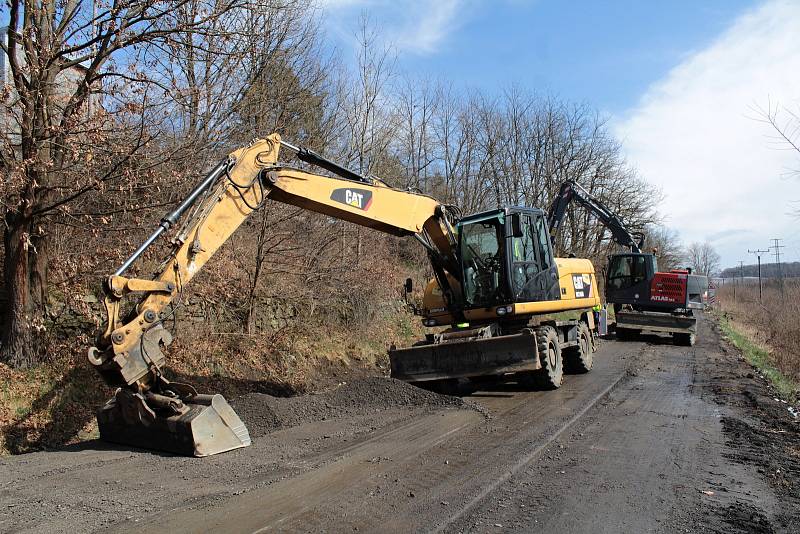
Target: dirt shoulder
(762,432)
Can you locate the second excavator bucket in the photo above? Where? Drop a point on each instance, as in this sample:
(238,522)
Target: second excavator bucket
(464,354)
(204,425)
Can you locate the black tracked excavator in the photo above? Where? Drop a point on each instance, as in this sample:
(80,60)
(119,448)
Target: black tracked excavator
(643,298)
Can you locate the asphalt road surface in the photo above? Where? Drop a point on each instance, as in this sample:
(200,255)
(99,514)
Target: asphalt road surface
(657,438)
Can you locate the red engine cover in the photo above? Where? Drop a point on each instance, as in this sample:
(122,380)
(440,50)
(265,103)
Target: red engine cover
(668,287)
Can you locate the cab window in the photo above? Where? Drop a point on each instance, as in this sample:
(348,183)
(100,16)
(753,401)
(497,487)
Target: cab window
(627,271)
(546,257)
(482,258)
(523,247)
(531,260)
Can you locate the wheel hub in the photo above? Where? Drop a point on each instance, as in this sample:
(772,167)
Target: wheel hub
(551,357)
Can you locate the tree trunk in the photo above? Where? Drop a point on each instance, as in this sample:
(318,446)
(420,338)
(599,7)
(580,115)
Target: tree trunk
(250,320)
(24,318)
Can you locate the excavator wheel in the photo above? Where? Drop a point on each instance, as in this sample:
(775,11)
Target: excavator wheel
(551,375)
(579,359)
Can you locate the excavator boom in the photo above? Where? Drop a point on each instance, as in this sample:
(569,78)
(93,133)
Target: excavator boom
(573,191)
(150,411)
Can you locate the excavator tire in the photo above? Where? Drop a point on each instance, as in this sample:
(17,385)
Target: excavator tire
(579,359)
(551,375)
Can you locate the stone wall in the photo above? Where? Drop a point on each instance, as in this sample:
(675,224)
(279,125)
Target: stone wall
(87,314)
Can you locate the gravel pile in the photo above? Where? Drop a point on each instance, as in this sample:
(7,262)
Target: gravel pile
(264,413)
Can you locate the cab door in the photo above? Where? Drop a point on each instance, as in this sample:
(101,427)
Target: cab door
(534,274)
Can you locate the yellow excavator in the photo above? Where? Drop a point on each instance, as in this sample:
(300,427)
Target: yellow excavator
(497,284)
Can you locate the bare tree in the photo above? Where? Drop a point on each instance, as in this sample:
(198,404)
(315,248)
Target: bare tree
(416,108)
(703,258)
(56,149)
(665,244)
(457,138)
(785,122)
(367,114)
(366,110)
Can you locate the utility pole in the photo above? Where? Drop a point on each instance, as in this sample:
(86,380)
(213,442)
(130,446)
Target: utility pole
(741,279)
(758,253)
(776,244)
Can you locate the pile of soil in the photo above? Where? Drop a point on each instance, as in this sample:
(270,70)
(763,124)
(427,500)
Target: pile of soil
(264,413)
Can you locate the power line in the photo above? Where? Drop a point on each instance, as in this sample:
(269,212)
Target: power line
(776,244)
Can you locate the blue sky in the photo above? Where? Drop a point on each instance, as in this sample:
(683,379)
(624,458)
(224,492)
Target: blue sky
(678,80)
(603,53)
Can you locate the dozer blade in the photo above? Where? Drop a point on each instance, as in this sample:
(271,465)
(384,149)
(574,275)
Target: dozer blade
(206,425)
(471,357)
(656,321)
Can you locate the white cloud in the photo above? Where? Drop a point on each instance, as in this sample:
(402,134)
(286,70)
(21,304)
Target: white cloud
(428,25)
(693,133)
(416,26)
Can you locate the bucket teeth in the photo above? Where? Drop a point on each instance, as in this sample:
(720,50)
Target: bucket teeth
(204,425)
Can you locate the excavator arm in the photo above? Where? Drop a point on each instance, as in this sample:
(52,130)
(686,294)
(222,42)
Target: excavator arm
(150,411)
(572,190)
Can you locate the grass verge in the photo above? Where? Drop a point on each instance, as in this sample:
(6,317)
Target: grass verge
(759,357)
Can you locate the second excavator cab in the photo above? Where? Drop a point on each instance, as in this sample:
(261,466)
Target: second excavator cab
(626,272)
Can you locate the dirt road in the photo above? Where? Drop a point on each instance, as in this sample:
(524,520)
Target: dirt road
(656,438)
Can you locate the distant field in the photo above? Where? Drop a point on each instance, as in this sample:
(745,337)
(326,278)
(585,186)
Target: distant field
(772,322)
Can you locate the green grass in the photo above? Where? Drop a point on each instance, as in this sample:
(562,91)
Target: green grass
(759,358)
(406,328)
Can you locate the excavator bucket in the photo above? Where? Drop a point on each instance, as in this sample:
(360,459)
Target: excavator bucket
(204,425)
(471,353)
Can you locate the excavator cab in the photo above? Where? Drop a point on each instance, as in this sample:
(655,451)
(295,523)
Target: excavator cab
(628,273)
(506,256)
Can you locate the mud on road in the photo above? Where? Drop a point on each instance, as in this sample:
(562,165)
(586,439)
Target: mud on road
(657,438)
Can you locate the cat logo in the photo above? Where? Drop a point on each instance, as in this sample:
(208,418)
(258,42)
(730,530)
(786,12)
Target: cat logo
(357,198)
